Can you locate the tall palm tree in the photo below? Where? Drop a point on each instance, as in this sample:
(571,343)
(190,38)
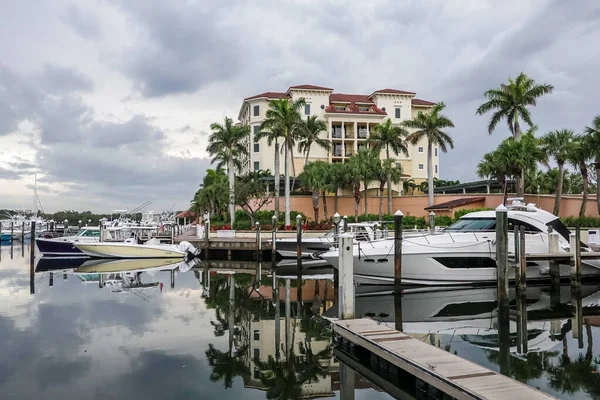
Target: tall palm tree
(227,146)
(388,136)
(581,153)
(283,117)
(429,126)
(314,177)
(273,135)
(361,170)
(510,101)
(338,179)
(386,172)
(593,133)
(308,133)
(558,144)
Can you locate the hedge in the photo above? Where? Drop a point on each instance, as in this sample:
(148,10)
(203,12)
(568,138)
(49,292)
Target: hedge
(584,222)
(460,213)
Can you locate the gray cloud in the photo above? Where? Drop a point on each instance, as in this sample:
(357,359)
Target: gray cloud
(82,22)
(8,174)
(58,80)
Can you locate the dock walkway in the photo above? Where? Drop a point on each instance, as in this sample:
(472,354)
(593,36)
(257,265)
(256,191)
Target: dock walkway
(449,373)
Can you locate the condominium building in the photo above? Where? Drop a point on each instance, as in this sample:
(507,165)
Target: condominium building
(349,118)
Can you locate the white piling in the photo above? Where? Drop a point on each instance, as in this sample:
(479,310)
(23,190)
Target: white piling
(554,265)
(502,253)
(575,249)
(346,276)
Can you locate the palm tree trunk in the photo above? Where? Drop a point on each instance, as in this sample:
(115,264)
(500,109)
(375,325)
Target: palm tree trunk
(366,196)
(381,185)
(231,190)
(584,175)
(291,149)
(430,172)
(286,183)
(315,201)
(276,172)
(597,165)
(519,178)
(559,185)
(325,206)
(389,187)
(356,200)
(307,153)
(504,190)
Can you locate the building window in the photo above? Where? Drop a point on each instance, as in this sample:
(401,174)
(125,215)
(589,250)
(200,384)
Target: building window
(256,354)
(420,166)
(364,109)
(340,108)
(435,150)
(398,165)
(256,165)
(256,334)
(420,149)
(256,111)
(256,147)
(307,109)
(398,112)
(436,169)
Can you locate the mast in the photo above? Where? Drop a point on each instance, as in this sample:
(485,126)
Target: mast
(35,197)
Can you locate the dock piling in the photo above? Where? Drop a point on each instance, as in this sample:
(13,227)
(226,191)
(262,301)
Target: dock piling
(554,265)
(172,279)
(432,221)
(206,238)
(23,246)
(258,241)
(346,276)
(522,261)
(299,241)
(398,217)
(577,307)
(12,233)
(575,248)
(345,219)
(274,240)
(521,323)
(32,244)
(336,227)
(502,254)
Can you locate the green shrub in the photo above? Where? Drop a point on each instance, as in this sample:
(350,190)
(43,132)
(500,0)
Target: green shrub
(584,222)
(442,220)
(242,225)
(460,213)
(241,215)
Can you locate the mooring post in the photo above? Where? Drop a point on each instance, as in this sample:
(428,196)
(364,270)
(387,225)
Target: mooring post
(23,244)
(575,247)
(432,221)
(172,279)
(51,279)
(12,233)
(398,218)
(336,228)
(276,299)
(502,253)
(207,239)
(288,314)
(172,234)
(32,244)
(345,219)
(258,241)
(273,241)
(554,265)
(66,227)
(299,241)
(101,281)
(101,227)
(23,227)
(521,323)
(346,276)
(577,307)
(517,243)
(347,382)
(522,260)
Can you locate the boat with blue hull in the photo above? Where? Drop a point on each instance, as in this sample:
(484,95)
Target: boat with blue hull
(4,237)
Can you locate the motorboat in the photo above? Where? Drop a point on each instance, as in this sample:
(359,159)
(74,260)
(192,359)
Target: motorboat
(312,246)
(131,249)
(104,266)
(65,246)
(5,237)
(464,253)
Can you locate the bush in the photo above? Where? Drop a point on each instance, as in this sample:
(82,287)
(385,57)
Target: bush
(442,220)
(241,215)
(242,225)
(460,213)
(410,221)
(584,222)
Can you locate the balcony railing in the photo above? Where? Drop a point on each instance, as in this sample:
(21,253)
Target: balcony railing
(363,133)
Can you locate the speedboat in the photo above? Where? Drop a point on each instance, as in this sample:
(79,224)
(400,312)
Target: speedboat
(65,246)
(312,246)
(464,253)
(131,249)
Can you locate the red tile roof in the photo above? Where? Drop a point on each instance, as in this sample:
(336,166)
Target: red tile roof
(354,101)
(186,214)
(449,205)
(419,102)
(268,95)
(394,91)
(310,87)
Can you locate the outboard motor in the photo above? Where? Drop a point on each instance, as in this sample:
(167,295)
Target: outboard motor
(191,251)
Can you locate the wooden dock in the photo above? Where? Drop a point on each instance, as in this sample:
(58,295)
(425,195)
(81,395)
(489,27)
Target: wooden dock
(449,373)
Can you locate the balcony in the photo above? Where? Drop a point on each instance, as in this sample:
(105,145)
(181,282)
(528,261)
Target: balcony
(363,133)
(337,133)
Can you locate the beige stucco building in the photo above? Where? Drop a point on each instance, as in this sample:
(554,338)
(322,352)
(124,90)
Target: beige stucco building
(350,118)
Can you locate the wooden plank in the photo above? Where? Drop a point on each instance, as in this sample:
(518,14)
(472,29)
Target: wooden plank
(451,374)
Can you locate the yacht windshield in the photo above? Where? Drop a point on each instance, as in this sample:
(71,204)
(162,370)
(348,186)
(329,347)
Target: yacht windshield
(558,227)
(473,224)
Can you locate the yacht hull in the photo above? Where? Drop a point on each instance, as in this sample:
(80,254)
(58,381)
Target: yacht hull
(58,248)
(127,250)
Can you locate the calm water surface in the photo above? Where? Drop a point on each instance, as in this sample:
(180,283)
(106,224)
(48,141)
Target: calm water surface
(74,335)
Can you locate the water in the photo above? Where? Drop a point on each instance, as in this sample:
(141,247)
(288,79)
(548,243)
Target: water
(214,334)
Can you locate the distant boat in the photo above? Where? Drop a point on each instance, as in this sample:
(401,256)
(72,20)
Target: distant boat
(4,237)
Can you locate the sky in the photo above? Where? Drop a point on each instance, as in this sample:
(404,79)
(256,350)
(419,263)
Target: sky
(109,102)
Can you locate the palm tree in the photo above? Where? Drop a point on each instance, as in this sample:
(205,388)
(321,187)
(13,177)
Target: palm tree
(361,169)
(338,179)
(429,126)
(581,153)
(392,137)
(308,133)
(593,133)
(273,136)
(226,366)
(314,177)
(283,118)
(511,101)
(558,144)
(409,184)
(386,172)
(226,145)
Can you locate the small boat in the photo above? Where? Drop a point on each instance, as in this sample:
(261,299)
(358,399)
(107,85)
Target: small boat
(5,237)
(130,249)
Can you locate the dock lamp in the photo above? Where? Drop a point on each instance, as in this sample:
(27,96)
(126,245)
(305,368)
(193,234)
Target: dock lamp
(336,223)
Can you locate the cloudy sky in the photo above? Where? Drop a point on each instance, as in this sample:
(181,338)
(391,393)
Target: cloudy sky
(110,101)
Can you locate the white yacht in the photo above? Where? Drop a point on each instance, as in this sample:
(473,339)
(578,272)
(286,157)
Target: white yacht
(462,254)
(131,249)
